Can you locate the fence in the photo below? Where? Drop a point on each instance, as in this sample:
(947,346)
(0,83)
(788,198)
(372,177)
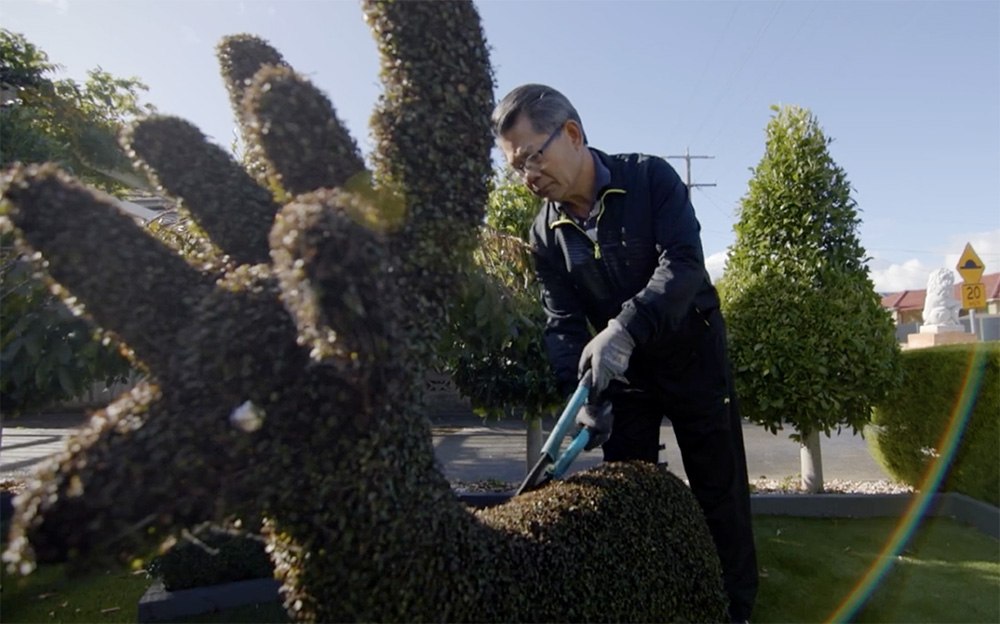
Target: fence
(987,327)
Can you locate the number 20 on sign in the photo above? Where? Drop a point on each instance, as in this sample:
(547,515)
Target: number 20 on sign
(971,269)
(973,296)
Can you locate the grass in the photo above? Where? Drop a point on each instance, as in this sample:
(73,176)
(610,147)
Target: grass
(809,567)
(947,573)
(51,594)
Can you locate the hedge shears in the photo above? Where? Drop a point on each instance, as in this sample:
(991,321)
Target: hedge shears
(551,465)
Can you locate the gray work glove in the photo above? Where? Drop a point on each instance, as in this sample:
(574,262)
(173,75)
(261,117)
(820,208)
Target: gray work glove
(598,419)
(606,356)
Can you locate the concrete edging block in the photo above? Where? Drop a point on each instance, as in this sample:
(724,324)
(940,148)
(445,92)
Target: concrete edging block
(983,516)
(837,505)
(158,604)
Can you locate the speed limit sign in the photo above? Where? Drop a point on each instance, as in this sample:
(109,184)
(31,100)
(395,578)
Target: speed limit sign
(973,296)
(971,268)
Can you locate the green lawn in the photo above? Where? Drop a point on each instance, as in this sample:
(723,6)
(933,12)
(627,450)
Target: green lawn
(51,595)
(947,573)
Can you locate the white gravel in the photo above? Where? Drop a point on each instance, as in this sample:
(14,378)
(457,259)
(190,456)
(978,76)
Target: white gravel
(788,485)
(792,485)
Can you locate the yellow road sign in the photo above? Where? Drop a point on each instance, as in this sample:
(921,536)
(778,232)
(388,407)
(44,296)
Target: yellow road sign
(973,296)
(970,266)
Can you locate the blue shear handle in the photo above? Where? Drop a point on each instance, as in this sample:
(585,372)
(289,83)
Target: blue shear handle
(567,418)
(575,447)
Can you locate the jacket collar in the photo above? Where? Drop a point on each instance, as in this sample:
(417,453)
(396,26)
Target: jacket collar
(605,178)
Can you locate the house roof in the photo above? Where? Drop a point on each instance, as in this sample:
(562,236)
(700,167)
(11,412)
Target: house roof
(914,299)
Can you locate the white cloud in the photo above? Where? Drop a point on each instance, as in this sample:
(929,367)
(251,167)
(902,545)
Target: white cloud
(985,244)
(716,264)
(910,275)
(890,277)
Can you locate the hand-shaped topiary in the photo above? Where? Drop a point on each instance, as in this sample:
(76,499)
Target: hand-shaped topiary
(287,381)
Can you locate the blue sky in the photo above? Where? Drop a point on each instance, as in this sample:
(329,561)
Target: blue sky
(910,91)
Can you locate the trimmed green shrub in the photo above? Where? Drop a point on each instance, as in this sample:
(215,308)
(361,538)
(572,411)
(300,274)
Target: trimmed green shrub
(811,346)
(216,557)
(286,393)
(909,427)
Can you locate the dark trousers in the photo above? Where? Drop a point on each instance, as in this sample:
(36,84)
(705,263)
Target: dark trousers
(700,402)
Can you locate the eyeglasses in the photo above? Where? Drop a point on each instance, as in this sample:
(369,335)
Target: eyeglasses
(533,162)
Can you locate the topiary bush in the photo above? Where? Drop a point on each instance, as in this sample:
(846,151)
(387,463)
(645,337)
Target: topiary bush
(286,393)
(908,428)
(212,558)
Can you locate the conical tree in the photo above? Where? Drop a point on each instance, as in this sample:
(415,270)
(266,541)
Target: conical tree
(811,346)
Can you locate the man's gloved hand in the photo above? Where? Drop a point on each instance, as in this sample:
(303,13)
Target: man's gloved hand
(606,356)
(598,420)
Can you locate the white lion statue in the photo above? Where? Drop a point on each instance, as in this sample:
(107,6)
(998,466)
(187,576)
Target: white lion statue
(940,305)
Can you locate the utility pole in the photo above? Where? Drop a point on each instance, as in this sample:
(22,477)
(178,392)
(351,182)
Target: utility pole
(687,161)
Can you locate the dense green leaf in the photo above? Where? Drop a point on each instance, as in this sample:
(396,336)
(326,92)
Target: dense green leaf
(47,353)
(494,347)
(810,343)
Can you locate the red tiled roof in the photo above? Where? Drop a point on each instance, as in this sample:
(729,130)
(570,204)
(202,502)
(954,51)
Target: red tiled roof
(914,299)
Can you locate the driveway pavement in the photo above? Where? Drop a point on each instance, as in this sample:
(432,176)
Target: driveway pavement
(470,450)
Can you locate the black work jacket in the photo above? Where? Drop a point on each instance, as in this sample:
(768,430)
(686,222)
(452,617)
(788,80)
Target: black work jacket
(647,269)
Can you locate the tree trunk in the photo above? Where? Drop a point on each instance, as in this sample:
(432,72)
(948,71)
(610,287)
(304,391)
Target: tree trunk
(812,463)
(534,446)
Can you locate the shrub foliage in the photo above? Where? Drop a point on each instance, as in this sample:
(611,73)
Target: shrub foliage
(47,353)
(494,345)
(212,558)
(286,392)
(810,344)
(909,427)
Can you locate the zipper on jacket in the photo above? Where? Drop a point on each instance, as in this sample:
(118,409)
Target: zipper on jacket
(597,226)
(567,221)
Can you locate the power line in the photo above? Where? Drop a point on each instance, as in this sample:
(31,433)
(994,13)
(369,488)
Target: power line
(891,37)
(722,211)
(746,57)
(687,157)
(928,252)
(767,71)
(711,58)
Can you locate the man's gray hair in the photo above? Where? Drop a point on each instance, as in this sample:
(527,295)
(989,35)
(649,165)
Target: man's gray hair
(546,109)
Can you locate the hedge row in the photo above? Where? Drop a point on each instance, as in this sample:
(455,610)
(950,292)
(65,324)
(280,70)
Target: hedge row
(909,426)
(219,558)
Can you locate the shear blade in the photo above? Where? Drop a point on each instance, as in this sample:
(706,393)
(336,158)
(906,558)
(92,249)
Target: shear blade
(539,475)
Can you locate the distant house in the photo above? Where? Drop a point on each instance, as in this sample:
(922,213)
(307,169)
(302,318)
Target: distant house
(908,306)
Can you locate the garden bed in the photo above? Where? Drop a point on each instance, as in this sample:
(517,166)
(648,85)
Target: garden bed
(841,534)
(790,508)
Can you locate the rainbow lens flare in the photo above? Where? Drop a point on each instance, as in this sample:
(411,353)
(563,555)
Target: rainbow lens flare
(904,530)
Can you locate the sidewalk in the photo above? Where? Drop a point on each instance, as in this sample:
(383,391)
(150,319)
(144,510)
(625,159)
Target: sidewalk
(470,450)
